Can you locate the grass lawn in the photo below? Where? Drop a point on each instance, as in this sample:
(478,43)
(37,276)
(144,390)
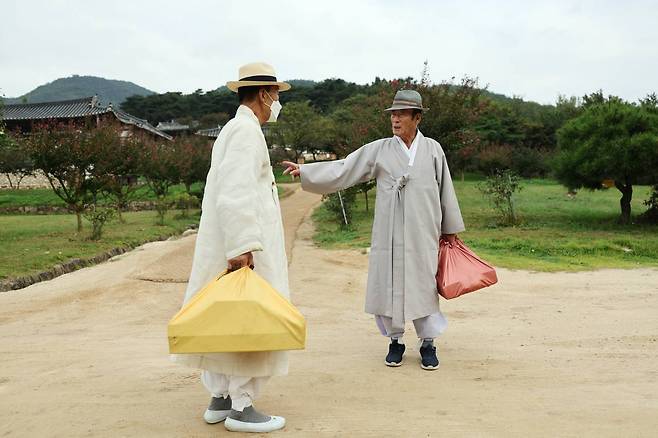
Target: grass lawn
(557,233)
(33,243)
(46,196)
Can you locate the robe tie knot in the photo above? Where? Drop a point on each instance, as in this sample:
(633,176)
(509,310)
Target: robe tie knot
(401,182)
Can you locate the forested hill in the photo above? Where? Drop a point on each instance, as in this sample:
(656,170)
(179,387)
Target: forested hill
(75,87)
(217,106)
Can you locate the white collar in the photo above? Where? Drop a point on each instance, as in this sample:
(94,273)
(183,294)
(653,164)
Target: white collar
(246,111)
(411,150)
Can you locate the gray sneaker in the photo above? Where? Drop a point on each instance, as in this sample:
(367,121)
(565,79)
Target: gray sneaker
(218,410)
(250,420)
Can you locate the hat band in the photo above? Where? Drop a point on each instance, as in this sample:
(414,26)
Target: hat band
(406,102)
(263,78)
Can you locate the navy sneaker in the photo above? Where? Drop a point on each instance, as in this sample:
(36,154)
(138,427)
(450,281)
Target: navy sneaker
(395,352)
(428,359)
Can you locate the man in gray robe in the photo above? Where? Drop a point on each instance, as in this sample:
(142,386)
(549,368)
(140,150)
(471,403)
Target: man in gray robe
(416,205)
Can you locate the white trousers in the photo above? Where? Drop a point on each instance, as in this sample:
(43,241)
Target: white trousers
(428,327)
(243,390)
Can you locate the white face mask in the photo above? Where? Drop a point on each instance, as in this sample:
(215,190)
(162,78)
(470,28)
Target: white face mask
(275,109)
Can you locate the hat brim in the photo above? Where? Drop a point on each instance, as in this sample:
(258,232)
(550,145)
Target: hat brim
(234,85)
(401,107)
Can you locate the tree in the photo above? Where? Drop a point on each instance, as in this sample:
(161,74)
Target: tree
(192,157)
(360,120)
(161,170)
(118,165)
(500,124)
(650,103)
(297,128)
(610,139)
(326,95)
(14,160)
(67,153)
(464,158)
(453,112)
(365,187)
(212,120)
(167,106)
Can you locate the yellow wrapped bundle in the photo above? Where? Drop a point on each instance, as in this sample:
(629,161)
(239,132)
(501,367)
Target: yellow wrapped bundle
(238,312)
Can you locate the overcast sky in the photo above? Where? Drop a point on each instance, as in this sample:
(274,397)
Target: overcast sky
(533,49)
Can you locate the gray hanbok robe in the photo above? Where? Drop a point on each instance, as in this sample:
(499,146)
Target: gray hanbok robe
(414,206)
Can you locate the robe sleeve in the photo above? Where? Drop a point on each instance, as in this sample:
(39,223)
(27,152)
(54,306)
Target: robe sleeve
(331,176)
(452,222)
(237,198)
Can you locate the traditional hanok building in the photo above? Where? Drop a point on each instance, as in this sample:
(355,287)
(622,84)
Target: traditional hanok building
(25,116)
(174,128)
(214,132)
(211,132)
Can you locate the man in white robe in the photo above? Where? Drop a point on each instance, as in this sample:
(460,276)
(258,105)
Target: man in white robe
(241,226)
(415,206)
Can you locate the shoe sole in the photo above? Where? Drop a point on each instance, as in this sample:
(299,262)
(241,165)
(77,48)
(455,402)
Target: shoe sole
(429,368)
(207,419)
(276,423)
(393,364)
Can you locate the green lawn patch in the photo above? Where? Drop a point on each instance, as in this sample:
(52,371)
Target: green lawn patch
(46,196)
(558,233)
(33,243)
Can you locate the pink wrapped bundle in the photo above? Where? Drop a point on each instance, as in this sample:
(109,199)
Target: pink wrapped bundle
(461,271)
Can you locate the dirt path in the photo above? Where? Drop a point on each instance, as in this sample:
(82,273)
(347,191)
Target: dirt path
(537,355)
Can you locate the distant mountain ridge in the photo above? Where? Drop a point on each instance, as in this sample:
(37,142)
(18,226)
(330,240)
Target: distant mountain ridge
(75,87)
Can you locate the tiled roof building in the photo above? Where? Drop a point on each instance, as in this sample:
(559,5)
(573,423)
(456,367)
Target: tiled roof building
(172,126)
(21,115)
(212,132)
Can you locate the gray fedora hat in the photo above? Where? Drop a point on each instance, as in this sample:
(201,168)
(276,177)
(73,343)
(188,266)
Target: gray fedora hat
(407,99)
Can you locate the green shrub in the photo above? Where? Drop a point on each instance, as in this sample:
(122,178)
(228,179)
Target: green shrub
(98,216)
(162,206)
(500,189)
(342,212)
(184,202)
(651,215)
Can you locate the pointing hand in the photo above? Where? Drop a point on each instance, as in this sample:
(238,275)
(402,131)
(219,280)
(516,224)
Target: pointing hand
(292,168)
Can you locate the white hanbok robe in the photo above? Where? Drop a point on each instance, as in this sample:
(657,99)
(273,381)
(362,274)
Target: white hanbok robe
(240,213)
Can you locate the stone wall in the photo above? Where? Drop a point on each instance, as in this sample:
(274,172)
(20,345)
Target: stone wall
(38,181)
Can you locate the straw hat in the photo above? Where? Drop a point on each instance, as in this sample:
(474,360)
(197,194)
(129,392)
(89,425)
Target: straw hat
(257,73)
(407,99)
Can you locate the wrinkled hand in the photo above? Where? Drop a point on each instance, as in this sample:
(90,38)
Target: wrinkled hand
(451,238)
(246,259)
(292,168)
